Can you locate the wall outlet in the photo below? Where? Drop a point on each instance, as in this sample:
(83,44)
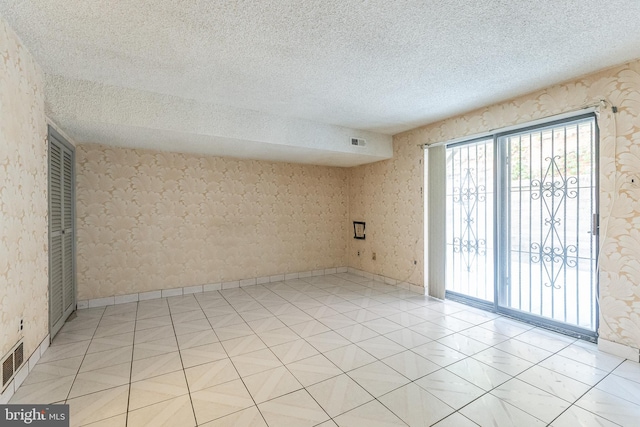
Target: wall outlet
(358,253)
(373,257)
(21,325)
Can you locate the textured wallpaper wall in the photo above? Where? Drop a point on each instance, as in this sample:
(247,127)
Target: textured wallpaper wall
(23,197)
(619,200)
(387,196)
(155,220)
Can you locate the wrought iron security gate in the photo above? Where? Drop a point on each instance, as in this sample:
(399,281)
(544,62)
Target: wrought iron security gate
(543,265)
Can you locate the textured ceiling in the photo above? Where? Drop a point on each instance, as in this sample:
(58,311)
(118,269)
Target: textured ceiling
(382,66)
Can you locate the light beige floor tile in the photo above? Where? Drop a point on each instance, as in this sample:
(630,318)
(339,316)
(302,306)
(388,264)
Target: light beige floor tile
(576,416)
(101,379)
(218,320)
(154,366)
(98,406)
(452,323)
(120,309)
(278,336)
(225,333)
(524,350)
(552,382)
(415,406)
(117,421)
(195,356)
(411,365)
(117,329)
(191,326)
(65,351)
(149,312)
(53,370)
(111,342)
(157,389)
(196,339)
(255,362)
(107,358)
(175,412)
(629,370)
(211,374)
(573,369)
(153,334)
(327,341)
(407,338)
(382,326)
(546,340)
(378,378)
(405,319)
(309,328)
(463,344)
(292,351)
(80,324)
(502,361)
(187,316)
(483,376)
(349,357)
(148,349)
(249,417)
(530,399)
(372,414)
(357,333)
(507,327)
(153,322)
(431,330)
(270,384)
(117,319)
(380,347)
(491,411)
(339,394)
(589,354)
(438,353)
(361,315)
(72,337)
(313,370)
(297,409)
(610,407)
(484,335)
(242,345)
(44,392)
(220,400)
(450,388)
(456,420)
(264,325)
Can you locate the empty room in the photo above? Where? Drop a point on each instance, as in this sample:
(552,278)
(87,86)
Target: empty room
(319,213)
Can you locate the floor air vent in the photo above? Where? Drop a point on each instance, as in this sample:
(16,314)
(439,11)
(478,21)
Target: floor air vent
(12,363)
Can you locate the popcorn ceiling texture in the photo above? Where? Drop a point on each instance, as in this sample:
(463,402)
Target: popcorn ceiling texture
(385,188)
(378,65)
(151,220)
(93,112)
(23,197)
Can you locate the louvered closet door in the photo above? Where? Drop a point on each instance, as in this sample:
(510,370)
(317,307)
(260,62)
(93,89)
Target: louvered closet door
(61,232)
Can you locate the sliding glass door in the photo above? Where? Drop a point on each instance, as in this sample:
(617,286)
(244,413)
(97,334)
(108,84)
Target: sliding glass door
(522,223)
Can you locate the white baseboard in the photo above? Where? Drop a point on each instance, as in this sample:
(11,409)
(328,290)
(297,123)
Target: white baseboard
(388,280)
(142,296)
(620,350)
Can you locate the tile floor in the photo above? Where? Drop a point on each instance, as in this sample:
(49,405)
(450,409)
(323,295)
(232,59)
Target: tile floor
(330,350)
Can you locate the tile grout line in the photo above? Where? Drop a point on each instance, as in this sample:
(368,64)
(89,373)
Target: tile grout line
(133,349)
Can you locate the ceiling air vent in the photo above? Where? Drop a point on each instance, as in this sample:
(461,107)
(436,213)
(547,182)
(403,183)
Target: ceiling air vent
(11,363)
(359,142)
